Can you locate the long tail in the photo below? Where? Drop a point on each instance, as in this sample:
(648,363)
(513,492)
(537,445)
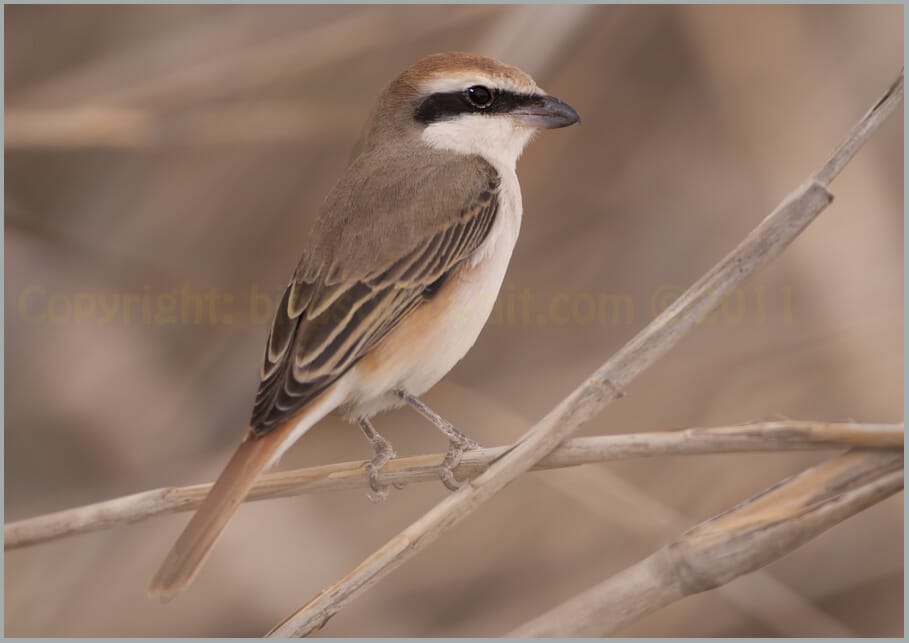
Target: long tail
(253,456)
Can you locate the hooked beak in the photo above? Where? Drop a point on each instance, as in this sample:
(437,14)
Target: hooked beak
(546,112)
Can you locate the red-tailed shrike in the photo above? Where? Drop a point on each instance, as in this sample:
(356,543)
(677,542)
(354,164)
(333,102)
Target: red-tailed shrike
(398,277)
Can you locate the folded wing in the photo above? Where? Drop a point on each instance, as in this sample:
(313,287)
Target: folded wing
(326,322)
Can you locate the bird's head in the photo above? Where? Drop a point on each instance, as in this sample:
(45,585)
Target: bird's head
(466,104)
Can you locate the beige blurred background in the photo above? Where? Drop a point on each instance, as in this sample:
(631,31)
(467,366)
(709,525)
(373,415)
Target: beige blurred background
(180,149)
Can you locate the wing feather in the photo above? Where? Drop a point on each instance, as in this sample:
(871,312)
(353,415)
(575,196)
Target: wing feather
(326,323)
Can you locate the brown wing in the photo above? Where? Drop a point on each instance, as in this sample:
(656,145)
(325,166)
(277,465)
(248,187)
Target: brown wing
(324,326)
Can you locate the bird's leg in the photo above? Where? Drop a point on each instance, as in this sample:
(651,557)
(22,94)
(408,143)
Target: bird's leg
(383,453)
(458,442)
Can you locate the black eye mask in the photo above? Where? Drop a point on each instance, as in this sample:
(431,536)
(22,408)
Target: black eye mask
(447,105)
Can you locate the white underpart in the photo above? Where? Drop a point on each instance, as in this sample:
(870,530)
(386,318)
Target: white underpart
(473,295)
(429,355)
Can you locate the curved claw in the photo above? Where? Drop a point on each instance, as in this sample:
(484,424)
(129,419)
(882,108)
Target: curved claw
(383,453)
(377,497)
(448,478)
(452,460)
(377,492)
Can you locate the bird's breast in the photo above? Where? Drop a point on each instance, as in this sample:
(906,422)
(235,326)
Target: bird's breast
(426,345)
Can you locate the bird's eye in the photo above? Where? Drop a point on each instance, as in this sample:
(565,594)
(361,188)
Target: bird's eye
(479,96)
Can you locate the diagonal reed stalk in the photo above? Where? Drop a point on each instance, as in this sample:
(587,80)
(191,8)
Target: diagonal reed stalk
(740,540)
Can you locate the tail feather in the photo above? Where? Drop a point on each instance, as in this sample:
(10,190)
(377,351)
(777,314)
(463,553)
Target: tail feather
(196,542)
(253,456)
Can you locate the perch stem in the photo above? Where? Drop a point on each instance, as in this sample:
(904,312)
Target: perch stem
(755,436)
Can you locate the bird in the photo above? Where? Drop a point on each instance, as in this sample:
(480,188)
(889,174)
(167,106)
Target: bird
(397,278)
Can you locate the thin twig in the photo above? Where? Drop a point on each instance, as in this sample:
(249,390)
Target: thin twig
(741,540)
(762,245)
(861,133)
(788,435)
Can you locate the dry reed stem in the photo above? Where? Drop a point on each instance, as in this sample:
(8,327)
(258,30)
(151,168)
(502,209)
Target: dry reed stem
(253,123)
(762,245)
(757,436)
(615,502)
(743,539)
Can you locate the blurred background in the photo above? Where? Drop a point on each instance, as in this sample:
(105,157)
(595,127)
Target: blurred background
(163,165)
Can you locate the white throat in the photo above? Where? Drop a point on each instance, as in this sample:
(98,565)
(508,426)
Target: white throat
(496,138)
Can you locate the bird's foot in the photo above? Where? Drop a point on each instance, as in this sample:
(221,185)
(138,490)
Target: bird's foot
(378,492)
(383,453)
(452,460)
(457,445)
